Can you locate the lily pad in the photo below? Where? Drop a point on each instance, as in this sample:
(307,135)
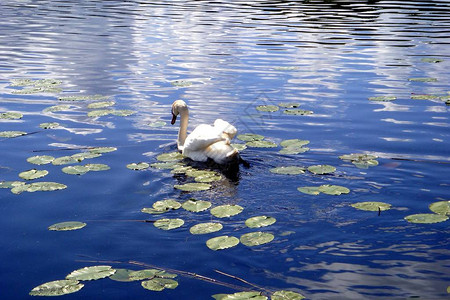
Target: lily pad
(431,60)
(239,147)
(294,142)
(11,115)
(138,166)
(371,206)
(181,83)
(83,97)
(289,104)
(426,218)
(298,112)
(286,295)
(224,211)
(321,169)
(256,238)
(97,167)
(11,133)
(168,204)
(292,150)
(333,189)
(441,207)
(208,178)
(168,224)
(85,155)
(123,112)
(101,150)
(222,242)
(122,275)
(267,108)
(10,184)
(38,186)
(422,79)
(33,174)
(358,157)
(425,97)
(150,273)
(157,124)
(204,228)
(194,205)
(57,288)
(172,156)
(365,164)
(101,104)
(75,170)
(259,221)
(166,165)
(310,190)
(291,170)
(383,98)
(66,160)
(248,137)
(40,159)
(261,144)
(65,226)
(49,125)
(100,113)
(159,284)
(240,296)
(193,187)
(57,108)
(91,273)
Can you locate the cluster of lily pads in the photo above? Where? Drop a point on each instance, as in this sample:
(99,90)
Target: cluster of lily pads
(290,108)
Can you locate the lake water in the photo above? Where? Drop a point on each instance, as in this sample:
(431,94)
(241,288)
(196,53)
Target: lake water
(225,58)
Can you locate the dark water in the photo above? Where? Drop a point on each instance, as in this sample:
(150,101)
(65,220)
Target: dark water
(329,56)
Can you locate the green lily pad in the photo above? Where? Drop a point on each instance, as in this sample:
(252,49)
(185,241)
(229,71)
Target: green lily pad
(310,190)
(194,205)
(441,207)
(123,112)
(333,189)
(261,144)
(57,288)
(365,164)
(291,170)
(159,284)
(122,275)
(11,133)
(422,79)
(168,224)
(292,150)
(426,218)
(289,104)
(205,228)
(358,157)
(85,155)
(65,226)
(83,98)
(208,178)
(383,98)
(150,273)
(91,273)
(97,167)
(40,159)
(222,242)
(371,206)
(172,156)
(256,238)
(321,169)
(101,150)
(193,187)
(138,166)
(11,115)
(38,186)
(166,165)
(75,170)
(10,184)
(168,204)
(259,221)
(431,60)
(101,104)
(100,113)
(224,211)
(49,125)
(57,108)
(181,83)
(425,97)
(248,137)
(66,160)
(37,82)
(240,296)
(239,147)
(298,112)
(294,142)
(157,124)
(33,174)
(181,169)
(286,295)
(267,108)
(286,68)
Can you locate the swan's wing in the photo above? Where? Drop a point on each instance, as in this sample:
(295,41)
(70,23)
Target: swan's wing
(225,128)
(202,137)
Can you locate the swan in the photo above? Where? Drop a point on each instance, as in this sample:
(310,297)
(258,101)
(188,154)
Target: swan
(205,141)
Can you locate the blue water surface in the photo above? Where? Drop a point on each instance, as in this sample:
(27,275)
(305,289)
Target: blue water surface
(224,58)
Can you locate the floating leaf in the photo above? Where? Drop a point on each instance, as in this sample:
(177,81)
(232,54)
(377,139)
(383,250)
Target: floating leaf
(75,170)
(372,206)
(38,186)
(122,275)
(150,273)
(425,97)
(91,273)
(159,284)
(33,174)
(256,238)
(286,68)
(207,178)
(321,169)
(193,187)
(168,204)
(426,218)
(383,98)
(66,160)
(294,142)
(358,157)
(259,221)
(422,79)
(101,104)
(297,112)
(138,166)
(181,83)
(365,164)
(240,296)
(168,224)
(204,228)
(38,89)
(123,112)
(310,190)
(261,144)
(239,147)
(152,211)
(11,134)
(65,226)
(158,124)
(227,210)
(102,149)
(431,60)
(286,295)
(267,108)
(10,184)
(166,165)
(172,156)
(441,207)
(333,189)
(82,97)
(100,113)
(194,205)
(11,115)
(57,288)
(97,167)
(222,242)
(57,108)
(248,137)
(49,125)
(289,104)
(291,170)
(292,150)
(85,155)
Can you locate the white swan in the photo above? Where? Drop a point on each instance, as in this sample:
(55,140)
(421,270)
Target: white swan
(205,141)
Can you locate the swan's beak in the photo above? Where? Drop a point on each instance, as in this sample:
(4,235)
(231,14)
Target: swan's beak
(174,118)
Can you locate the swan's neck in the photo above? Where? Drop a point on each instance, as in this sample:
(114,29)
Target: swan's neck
(182,132)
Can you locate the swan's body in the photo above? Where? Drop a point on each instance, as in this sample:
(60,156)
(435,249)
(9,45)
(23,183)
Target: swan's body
(205,141)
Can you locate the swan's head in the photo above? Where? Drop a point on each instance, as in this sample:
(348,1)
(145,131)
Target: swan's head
(179,106)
